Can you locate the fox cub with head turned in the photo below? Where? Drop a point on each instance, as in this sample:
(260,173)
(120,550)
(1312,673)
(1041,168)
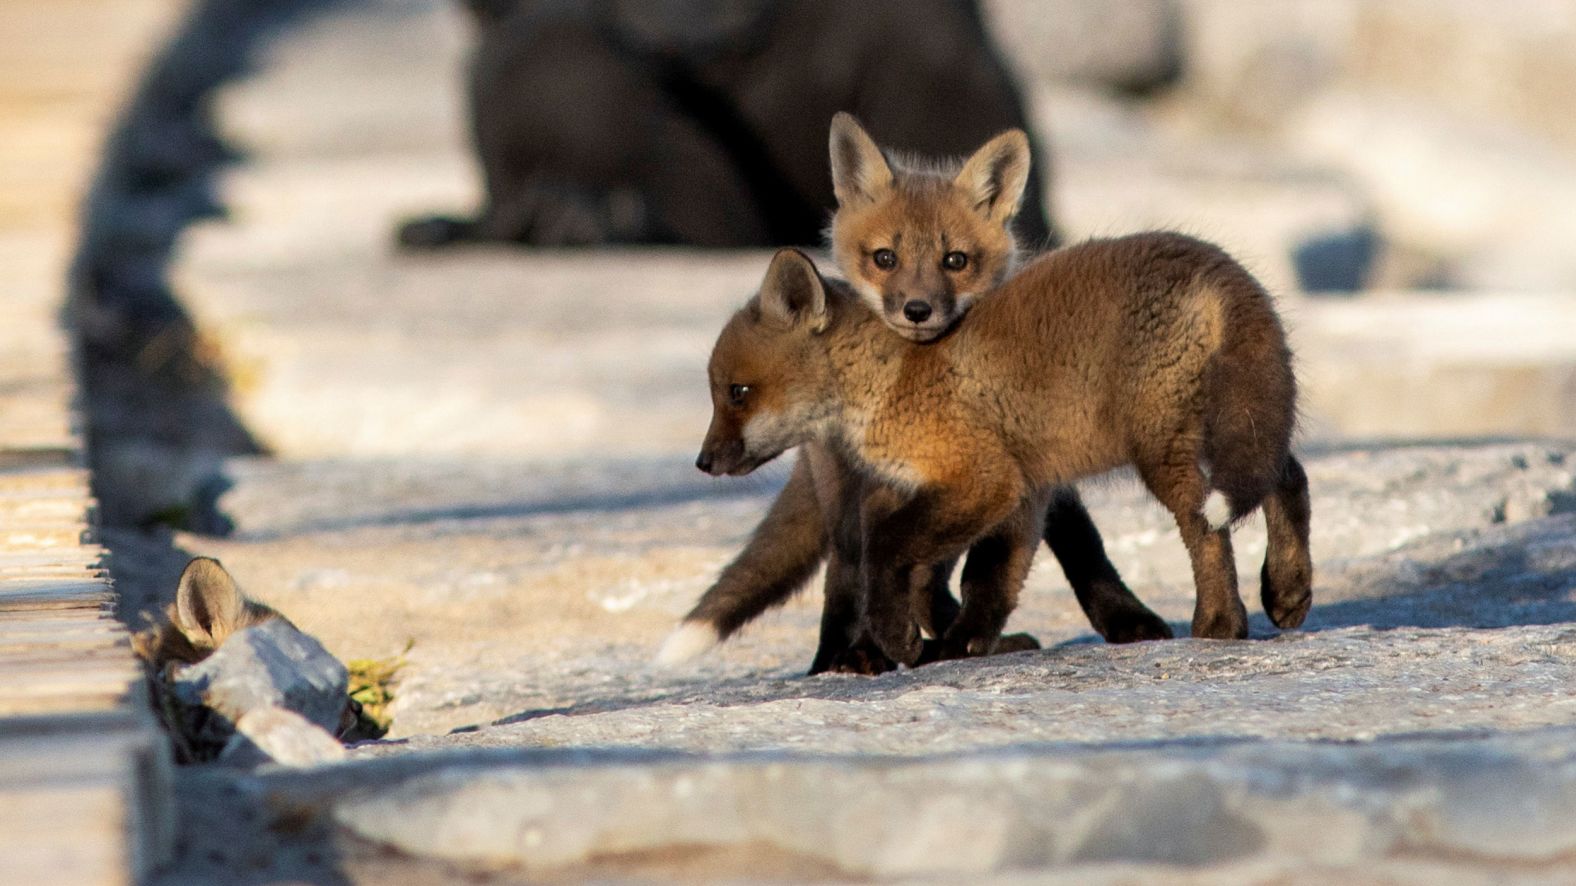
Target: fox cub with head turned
(922,240)
(1155,350)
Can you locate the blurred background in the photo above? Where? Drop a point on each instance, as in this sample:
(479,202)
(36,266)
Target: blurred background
(1406,164)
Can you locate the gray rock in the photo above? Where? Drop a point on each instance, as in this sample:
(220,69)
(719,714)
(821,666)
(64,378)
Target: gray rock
(271,665)
(277,735)
(1502,800)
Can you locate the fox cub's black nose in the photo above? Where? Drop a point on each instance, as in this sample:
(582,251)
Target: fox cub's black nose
(703,461)
(916,311)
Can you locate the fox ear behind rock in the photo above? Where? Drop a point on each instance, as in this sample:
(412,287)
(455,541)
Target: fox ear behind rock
(859,173)
(792,292)
(208,603)
(995,175)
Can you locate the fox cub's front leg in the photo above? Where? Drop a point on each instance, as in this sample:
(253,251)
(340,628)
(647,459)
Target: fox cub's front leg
(993,576)
(906,538)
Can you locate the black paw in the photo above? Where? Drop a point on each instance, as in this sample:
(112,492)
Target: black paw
(903,647)
(1287,595)
(863,658)
(1227,624)
(1135,627)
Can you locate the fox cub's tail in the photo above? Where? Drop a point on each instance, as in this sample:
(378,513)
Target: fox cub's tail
(1250,405)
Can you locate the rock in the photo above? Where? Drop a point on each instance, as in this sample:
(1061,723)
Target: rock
(276,735)
(1210,804)
(491,455)
(1249,65)
(1453,118)
(1438,364)
(271,665)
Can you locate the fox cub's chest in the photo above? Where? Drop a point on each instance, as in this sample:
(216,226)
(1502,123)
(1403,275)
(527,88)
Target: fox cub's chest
(922,433)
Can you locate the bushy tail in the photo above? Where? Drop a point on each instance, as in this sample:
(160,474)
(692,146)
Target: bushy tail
(1250,407)
(740,595)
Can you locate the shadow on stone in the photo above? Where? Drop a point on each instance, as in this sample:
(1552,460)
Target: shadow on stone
(649,495)
(1520,575)
(158,420)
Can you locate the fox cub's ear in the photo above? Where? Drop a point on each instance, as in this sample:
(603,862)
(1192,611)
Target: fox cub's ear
(859,173)
(208,604)
(995,175)
(792,292)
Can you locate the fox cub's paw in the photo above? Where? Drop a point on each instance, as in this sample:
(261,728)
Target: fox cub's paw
(1014,643)
(1134,626)
(901,642)
(864,657)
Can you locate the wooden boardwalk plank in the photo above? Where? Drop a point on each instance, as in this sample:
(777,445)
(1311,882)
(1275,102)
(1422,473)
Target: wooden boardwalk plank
(74,788)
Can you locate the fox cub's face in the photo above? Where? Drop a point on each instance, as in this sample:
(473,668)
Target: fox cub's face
(767,372)
(920,246)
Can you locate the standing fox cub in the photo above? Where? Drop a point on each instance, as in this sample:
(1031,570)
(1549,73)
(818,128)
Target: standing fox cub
(1155,350)
(921,241)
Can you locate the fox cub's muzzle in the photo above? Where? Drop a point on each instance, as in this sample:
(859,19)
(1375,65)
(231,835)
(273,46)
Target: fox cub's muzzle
(722,452)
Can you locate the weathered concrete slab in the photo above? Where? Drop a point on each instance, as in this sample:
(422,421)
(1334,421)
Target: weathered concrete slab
(488,454)
(83,773)
(1285,806)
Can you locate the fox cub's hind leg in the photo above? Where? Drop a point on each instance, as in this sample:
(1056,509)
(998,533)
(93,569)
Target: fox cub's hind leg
(1177,480)
(1113,610)
(1286,581)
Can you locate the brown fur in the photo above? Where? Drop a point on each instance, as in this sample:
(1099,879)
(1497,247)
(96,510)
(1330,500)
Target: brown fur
(1155,350)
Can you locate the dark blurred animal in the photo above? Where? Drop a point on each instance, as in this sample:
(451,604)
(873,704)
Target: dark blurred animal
(703,122)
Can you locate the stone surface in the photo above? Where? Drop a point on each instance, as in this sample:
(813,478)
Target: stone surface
(1210,803)
(84,775)
(1453,120)
(270,665)
(272,734)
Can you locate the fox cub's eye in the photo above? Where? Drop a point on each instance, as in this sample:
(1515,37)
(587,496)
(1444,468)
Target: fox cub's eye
(885,259)
(954,261)
(737,393)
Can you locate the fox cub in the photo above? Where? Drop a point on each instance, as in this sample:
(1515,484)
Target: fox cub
(1155,350)
(921,241)
(209,609)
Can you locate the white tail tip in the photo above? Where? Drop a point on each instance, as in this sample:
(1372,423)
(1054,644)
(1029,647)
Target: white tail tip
(687,642)
(1217,510)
